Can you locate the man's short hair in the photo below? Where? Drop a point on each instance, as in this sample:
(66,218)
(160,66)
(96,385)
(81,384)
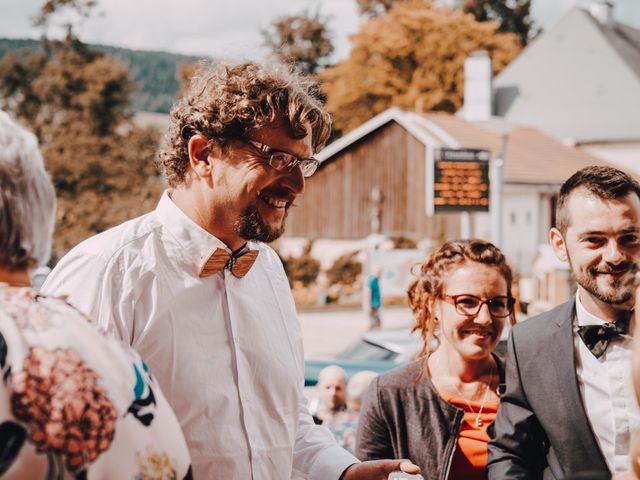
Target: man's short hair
(27,199)
(225,100)
(607,183)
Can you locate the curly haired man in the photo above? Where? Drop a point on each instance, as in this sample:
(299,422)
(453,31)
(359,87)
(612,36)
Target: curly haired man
(193,287)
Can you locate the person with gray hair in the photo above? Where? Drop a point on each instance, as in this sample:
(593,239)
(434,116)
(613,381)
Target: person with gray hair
(195,288)
(356,387)
(73,403)
(27,202)
(344,424)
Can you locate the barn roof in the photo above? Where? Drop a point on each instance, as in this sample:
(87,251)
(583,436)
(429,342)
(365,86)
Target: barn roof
(531,157)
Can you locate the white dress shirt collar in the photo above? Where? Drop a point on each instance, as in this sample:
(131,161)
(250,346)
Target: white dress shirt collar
(197,244)
(583,316)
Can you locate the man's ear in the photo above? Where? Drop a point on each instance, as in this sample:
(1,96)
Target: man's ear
(557,243)
(199,151)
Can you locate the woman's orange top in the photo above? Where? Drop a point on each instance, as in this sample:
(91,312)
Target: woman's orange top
(470,458)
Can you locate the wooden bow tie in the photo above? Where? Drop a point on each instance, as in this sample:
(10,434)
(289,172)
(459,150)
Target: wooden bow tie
(239,264)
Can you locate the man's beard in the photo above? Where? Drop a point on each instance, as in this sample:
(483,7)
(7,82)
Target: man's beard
(250,226)
(621,289)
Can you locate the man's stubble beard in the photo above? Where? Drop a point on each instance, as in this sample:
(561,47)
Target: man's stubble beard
(588,281)
(250,226)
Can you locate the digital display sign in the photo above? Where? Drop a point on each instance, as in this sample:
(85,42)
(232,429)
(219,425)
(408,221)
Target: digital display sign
(461,180)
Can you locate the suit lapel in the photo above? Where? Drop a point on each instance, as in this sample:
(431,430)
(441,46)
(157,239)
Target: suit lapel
(576,417)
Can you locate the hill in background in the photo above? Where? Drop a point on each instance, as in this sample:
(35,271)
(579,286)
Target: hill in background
(154,73)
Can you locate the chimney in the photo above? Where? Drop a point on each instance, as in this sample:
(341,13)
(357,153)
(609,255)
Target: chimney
(602,11)
(477,87)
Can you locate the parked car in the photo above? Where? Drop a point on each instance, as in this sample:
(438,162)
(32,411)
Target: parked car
(378,350)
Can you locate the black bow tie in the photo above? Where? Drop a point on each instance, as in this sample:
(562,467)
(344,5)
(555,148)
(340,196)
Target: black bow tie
(597,337)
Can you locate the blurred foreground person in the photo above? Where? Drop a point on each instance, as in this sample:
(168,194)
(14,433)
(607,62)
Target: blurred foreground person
(634,451)
(436,410)
(344,424)
(195,288)
(332,386)
(569,406)
(73,404)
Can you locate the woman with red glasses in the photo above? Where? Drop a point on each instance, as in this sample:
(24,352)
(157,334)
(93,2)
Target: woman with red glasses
(436,410)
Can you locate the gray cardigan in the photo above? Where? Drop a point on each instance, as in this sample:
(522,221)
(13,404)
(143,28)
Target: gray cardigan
(404,419)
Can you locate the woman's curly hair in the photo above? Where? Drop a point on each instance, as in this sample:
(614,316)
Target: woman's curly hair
(225,100)
(428,287)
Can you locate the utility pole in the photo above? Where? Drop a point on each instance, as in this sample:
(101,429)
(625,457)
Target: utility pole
(375,212)
(496,207)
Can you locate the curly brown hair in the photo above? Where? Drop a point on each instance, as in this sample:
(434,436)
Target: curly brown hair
(225,100)
(428,287)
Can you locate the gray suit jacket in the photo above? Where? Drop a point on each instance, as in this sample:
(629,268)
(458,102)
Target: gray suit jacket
(542,431)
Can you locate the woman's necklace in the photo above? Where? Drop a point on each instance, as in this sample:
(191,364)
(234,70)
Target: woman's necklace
(478,421)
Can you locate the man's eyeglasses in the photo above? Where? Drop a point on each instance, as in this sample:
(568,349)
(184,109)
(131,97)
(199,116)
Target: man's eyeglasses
(499,307)
(284,161)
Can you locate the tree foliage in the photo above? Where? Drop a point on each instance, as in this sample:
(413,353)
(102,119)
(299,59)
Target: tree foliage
(82,8)
(302,40)
(512,15)
(303,269)
(154,74)
(345,270)
(412,58)
(374,8)
(76,101)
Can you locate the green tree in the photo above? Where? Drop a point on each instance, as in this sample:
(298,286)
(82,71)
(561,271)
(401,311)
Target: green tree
(512,15)
(411,57)
(302,40)
(76,100)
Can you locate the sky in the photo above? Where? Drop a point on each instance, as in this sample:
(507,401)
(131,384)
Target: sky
(230,28)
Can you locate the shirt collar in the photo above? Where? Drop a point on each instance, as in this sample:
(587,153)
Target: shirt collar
(584,317)
(196,243)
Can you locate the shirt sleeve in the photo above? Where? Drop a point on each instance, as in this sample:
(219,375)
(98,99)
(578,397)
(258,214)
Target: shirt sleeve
(316,454)
(97,287)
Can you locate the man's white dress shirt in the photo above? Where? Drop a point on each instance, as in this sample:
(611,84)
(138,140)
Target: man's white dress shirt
(227,352)
(607,392)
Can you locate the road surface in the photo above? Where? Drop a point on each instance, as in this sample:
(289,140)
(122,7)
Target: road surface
(326,333)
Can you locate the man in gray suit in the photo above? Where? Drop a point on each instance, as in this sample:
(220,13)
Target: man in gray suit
(569,405)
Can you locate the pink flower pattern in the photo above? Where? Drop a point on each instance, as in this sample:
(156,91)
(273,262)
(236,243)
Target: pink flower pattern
(66,407)
(58,396)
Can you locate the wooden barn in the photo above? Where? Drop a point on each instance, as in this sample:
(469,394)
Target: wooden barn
(377,178)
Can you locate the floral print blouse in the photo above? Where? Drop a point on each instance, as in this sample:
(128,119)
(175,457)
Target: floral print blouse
(75,404)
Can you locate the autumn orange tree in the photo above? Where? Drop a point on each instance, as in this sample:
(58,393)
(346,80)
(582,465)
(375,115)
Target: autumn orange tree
(413,58)
(512,15)
(76,100)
